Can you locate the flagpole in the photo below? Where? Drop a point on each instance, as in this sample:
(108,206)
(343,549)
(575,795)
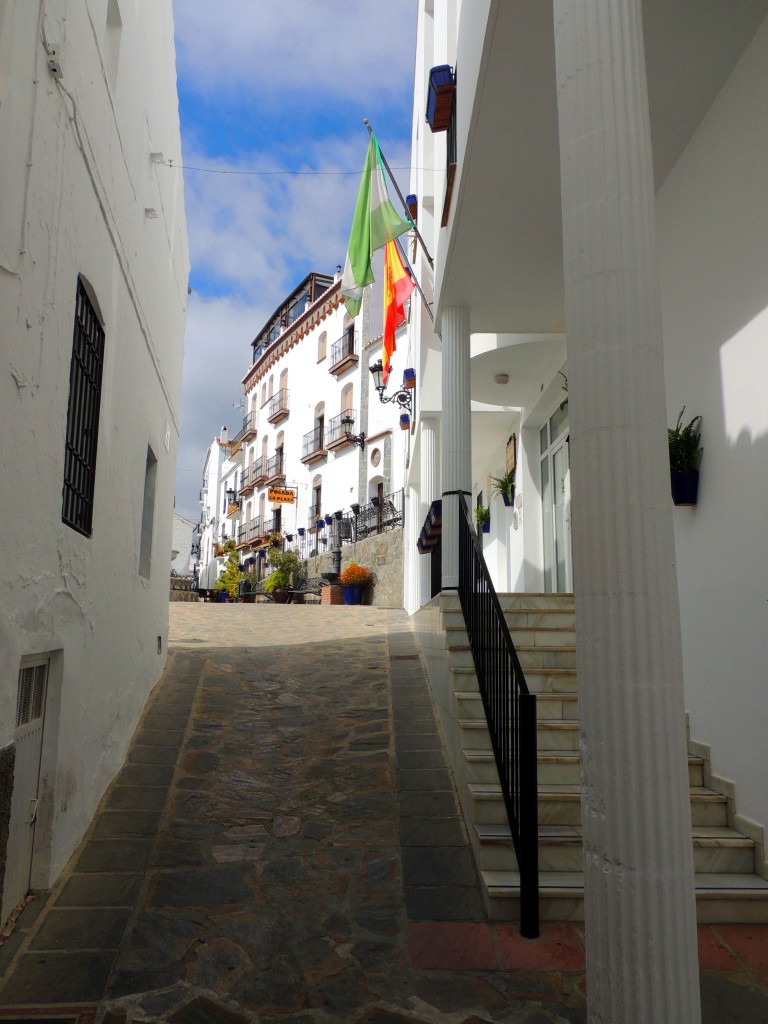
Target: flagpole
(403,256)
(402,200)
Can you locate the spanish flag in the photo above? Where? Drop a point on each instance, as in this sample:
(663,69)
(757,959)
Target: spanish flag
(398,286)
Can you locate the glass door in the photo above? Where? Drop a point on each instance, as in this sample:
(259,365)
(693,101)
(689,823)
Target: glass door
(556,502)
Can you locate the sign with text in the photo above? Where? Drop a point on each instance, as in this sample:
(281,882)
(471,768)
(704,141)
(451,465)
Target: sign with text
(281,494)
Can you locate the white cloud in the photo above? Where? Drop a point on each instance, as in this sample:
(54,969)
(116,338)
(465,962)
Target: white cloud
(251,234)
(335,47)
(217,356)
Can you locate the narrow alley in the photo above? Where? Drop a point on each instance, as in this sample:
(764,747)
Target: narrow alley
(283,844)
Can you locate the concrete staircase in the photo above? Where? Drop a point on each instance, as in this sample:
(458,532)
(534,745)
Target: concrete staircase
(542,628)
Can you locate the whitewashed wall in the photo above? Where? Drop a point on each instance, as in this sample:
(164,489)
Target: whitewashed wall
(713,226)
(79,208)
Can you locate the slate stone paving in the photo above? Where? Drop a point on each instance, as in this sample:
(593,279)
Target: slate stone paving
(283,844)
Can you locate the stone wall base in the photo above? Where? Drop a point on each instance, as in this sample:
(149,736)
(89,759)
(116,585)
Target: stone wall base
(7,764)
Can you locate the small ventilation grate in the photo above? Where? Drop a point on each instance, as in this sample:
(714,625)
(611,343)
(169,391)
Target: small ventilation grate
(31,700)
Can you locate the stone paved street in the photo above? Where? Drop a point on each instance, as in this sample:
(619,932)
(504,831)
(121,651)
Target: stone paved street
(283,844)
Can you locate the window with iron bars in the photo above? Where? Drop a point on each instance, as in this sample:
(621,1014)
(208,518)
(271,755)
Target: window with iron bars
(83,416)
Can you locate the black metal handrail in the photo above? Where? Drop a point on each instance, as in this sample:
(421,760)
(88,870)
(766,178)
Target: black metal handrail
(247,421)
(275,465)
(379,515)
(344,347)
(279,403)
(510,709)
(312,442)
(336,430)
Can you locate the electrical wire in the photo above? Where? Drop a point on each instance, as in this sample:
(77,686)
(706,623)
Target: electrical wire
(218,170)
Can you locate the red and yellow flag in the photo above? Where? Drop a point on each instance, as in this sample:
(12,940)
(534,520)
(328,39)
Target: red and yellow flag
(398,286)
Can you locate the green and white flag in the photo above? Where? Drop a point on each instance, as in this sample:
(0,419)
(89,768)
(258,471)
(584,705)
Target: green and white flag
(375,223)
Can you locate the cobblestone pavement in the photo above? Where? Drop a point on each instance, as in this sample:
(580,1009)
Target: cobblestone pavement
(283,844)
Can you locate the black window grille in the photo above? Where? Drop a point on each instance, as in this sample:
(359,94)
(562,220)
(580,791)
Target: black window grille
(83,416)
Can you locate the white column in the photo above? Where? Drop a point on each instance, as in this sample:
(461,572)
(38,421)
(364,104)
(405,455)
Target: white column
(456,459)
(640,909)
(429,487)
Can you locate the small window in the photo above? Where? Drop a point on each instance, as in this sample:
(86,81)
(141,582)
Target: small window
(148,515)
(85,374)
(322,344)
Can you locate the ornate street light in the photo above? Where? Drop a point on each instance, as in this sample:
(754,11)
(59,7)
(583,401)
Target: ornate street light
(402,397)
(347,422)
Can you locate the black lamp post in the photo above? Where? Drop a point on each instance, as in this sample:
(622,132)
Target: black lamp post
(402,396)
(347,422)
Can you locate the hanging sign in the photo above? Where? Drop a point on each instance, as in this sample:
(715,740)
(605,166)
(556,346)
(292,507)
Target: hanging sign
(283,495)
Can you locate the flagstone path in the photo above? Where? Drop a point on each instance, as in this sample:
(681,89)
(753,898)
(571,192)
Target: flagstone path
(283,844)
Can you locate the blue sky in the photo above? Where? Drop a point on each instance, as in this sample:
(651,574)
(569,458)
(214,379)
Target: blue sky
(266,86)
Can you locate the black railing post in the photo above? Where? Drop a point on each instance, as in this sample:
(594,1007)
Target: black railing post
(529,840)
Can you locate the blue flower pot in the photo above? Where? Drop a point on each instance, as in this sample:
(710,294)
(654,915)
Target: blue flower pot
(353,593)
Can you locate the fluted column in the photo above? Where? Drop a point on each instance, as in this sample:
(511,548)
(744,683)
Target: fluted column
(640,909)
(456,460)
(429,487)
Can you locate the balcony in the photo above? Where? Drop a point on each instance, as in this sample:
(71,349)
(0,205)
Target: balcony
(233,508)
(336,436)
(257,472)
(275,470)
(247,483)
(312,449)
(279,407)
(249,532)
(343,353)
(272,525)
(246,434)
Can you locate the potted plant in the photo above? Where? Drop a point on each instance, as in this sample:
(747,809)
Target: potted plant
(483,518)
(684,458)
(505,486)
(353,579)
(284,565)
(229,581)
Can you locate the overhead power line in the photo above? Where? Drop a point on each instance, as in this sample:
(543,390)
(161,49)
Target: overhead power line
(219,170)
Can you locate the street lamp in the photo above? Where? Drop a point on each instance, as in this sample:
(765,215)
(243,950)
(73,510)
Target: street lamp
(347,422)
(401,397)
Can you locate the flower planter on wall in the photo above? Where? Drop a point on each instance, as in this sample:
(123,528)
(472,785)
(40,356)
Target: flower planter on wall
(685,486)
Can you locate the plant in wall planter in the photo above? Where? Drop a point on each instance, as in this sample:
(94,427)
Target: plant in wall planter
(354,579)
(504,486)
(684,458)
(483,518)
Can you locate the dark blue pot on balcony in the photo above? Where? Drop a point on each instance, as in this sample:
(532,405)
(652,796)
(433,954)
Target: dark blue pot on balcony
(353,593)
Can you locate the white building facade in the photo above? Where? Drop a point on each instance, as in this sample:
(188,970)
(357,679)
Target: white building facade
(307,393)
(93,286)
(560,197)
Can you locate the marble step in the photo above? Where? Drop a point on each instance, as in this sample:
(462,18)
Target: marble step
(517,600)
(549,706)
(550,735)
(521,617)
(554,767)
(531,658)
(561,805)
(716,849)
(543,680)
(720,897)
(538,636)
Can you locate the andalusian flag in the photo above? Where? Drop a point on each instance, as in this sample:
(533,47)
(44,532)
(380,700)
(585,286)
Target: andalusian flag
(398,286)
(375,223)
